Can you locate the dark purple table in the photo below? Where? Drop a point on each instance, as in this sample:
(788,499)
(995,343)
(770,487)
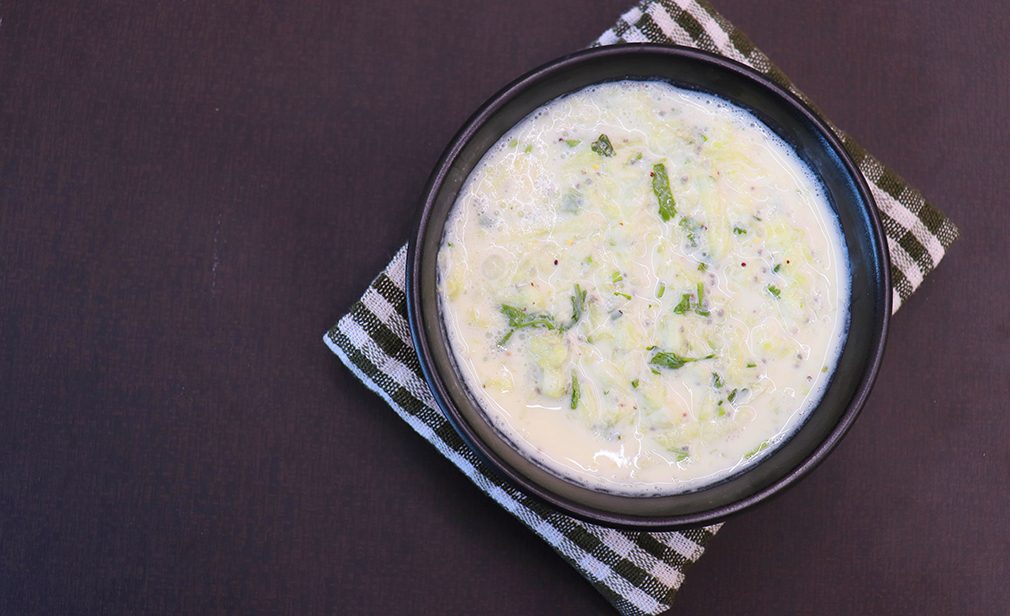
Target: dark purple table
(191,193)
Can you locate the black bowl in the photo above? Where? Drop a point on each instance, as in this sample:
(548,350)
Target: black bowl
(794,122)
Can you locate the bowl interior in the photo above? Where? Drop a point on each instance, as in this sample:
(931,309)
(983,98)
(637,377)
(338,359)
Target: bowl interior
(793,122)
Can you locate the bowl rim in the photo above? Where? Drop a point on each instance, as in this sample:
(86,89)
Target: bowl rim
(438,388)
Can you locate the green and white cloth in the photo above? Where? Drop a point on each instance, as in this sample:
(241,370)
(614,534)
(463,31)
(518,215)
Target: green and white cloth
(638,572)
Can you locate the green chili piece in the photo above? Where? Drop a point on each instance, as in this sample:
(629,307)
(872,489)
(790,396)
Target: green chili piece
(578,306)
(661,188)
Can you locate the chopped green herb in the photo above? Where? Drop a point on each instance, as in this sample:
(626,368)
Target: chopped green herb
(637,157)
(687,303)
(602,146)
(702,267)
(751,364)
(684,305)
(578,306)
(672,361)
(529,148)
(682,454)
(732,396)
(513,143)
(650,347)
(717,381)
(777,267)
(739,231)
(774,291)
(576,391)
(721,412)
(518,319)
(661,290)
(616,277)
(620,294)
(753,452)
(634,384)
(661,188)
(572,142)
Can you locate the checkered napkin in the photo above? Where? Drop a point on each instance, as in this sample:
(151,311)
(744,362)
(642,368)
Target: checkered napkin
(638,572)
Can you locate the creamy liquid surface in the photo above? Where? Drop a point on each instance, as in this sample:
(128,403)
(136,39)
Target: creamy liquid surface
(650,312)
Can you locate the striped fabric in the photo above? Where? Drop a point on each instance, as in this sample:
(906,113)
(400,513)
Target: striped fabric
(639,573)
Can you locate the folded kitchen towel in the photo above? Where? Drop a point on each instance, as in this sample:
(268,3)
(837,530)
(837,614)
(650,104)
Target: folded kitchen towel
(638,572)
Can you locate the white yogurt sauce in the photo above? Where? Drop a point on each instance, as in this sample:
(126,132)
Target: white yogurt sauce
(644,287)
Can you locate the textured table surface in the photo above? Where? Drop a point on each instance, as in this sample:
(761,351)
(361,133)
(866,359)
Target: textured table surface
(191,193)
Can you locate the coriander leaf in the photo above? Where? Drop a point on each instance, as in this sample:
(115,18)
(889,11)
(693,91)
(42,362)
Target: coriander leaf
(717,381)
(702,267)
(578,306)
(518,319)
(672,361)
(684,305)
(777,267)
(739,231)
(634,384)
(661,188)
(616,277)
(602,146)
(732,396)
(775,291)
